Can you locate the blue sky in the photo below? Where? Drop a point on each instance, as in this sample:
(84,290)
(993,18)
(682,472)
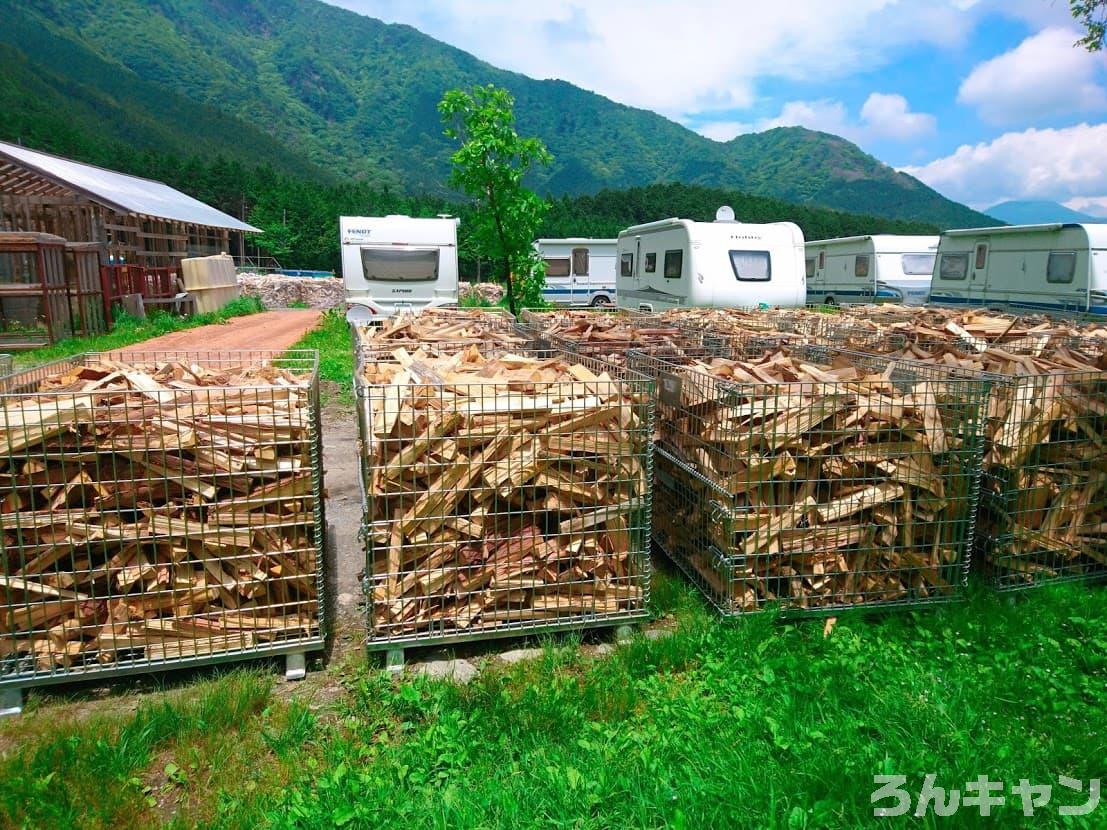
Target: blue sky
(984,100)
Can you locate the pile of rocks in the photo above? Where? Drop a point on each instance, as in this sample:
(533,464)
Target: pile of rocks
(490,292)
(278,291)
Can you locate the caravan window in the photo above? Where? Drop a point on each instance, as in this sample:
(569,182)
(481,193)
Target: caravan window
(651,263)
(954,267)
(811,267)
(557,266)
(916,265)
(674,264)
(981,256)
(861,265)
(580,262)
(1061,267)
(752,266)
(626,265)
(400,265)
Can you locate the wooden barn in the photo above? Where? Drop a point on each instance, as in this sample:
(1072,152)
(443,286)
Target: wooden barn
(135,220)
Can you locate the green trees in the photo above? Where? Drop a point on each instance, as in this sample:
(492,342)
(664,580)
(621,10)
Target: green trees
(489,166)
(1092,15)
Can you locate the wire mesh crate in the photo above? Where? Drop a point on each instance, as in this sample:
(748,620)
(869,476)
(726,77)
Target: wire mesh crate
(505,493)
(5,365)
(816,479)
(609,334)
(1043,507)
(158,510)
(442,331)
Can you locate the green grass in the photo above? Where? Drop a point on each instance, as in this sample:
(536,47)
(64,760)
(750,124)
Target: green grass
(129,330)
(333,339)
(747,724)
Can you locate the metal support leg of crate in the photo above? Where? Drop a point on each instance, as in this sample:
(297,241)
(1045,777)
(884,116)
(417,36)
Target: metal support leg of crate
(11,702)
(295,666)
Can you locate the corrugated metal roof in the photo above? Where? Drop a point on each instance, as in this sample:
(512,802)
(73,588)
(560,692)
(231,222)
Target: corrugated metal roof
(124,193)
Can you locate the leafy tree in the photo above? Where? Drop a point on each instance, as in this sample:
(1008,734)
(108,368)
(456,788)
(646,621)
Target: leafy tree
(489,166)
(1092,15)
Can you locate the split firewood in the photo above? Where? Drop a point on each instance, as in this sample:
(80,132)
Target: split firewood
(609,335)
(815,483)
(444,330)
(1045,463)
(155,510)
(503,491)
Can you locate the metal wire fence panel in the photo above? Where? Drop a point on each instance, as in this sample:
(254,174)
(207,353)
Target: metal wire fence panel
(504,493)
(817,479)
(1043,511)
(5,364)
(159,509)
(442,331)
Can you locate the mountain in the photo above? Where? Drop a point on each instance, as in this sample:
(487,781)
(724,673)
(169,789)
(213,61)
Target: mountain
(1038,212)
(298,83)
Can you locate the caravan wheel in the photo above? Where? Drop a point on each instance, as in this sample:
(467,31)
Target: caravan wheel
(600,301)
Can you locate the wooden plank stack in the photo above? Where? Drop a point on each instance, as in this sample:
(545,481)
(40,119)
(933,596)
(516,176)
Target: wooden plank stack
(155,510)
(1044,515)
(444,331)
(505,492)
(815,479)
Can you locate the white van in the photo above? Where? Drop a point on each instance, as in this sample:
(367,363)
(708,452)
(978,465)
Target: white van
(390,263)
(578,271)
(882,268)
(726,264)
(1059,267)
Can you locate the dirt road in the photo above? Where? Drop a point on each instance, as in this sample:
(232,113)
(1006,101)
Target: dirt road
(268,330)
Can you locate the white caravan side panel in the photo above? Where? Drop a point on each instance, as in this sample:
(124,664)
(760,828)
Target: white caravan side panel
(391,263)
(678,262)
(1051,267)
(870,269)
(579,272)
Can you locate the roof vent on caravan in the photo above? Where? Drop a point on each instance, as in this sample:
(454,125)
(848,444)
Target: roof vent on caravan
(724,214)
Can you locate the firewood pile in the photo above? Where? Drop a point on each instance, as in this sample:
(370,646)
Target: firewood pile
(608,335)
(816,478)
(871,326)
(1044,515)
(157,510)
(505,491)
(444,330)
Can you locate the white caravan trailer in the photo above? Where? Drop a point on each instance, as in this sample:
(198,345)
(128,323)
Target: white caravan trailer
(727,264)
(391,263)
(578,271)
(883,268)
(1060,267)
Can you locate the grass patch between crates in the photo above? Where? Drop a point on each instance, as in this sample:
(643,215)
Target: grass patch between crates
(129,330)
(334,342)
(751,723)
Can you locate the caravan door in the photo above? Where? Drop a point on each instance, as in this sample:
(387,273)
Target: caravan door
(978,273)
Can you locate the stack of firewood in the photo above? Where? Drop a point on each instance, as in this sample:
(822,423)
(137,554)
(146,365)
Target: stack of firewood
(444,330)
(154,511)
(815,483)
(609,335)
(503,491)
(1046,464)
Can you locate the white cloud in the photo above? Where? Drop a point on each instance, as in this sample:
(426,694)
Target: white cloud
(1094,205)
(889,116)
(882,116)
(680,59)
(1061,164)
(1043,76)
